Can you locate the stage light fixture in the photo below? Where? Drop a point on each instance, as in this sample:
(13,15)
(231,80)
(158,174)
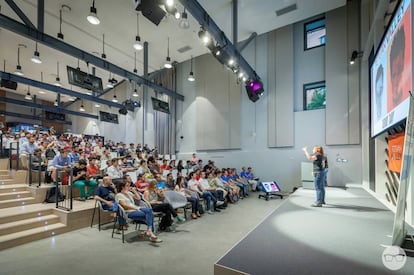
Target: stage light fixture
(355,54)
(169,3)
(93,16)
(36,56)
(254,89)
(204,36)
(231,61)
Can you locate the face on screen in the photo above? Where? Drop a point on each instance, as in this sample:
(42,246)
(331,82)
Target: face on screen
(397,66)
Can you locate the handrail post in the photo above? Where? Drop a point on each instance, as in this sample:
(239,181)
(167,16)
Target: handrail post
(71,188)
(30,169)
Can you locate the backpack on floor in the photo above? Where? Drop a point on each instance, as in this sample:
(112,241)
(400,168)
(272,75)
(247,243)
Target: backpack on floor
(51,195)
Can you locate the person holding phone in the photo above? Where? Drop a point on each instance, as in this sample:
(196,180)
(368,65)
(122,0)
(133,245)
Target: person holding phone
(318,173)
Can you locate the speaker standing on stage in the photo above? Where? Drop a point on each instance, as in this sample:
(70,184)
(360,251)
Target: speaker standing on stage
(318,173)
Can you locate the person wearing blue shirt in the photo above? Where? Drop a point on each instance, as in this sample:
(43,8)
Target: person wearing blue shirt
(60,162)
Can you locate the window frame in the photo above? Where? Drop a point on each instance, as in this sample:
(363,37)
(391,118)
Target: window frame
(312,86)
(305,32)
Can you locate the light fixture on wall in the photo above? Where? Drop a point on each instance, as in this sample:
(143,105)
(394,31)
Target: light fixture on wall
(36,56)
(93,16)
(28,96)
(168,64)
(355,54)
(184,23)
(57,81)
(82,108)
(63,7)
(19,70)
(191,75)
(138,45)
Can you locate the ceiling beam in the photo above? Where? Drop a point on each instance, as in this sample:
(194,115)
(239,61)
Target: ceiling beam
(20,13)
(54,109)
(41,15)
(56,89)
(204,19)
(41,37)
(32,117)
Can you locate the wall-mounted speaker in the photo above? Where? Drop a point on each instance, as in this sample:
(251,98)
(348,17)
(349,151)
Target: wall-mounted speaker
(8,84)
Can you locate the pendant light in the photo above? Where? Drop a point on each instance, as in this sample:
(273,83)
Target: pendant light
(138,45)
(135,93)
(110,84)
(60,34)
(191,75)
(184,23)
(28,96)
(168,59)
(41,79)
(82,108)
(36,56)
(115,99)
(103,55)
(135,63)
(19,70)
(93,16)
(57,82)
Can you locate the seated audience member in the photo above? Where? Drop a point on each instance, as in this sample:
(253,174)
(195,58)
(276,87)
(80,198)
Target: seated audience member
(226,180)
(27,149)
(38,161)
(194,186)
(188,165)
(74,155)
(153,166)
(205,187)
(156,198)
(194,159)
(142,183)
(93,169)
(160,182)
(169,183)
(180,166)
(199,165)
(60,162)
(195,202)
(125,198)
(171,165)
(105,193)
(143,168)
(98,150)
(221,191)
(114,171)
(239,182)
(164,165)
(81,179)
(248,175)
(127,165)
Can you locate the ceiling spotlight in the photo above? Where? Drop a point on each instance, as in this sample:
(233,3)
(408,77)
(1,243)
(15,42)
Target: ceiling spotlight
(177,15)
(138,45)
(191,74)
(168,64)
(114,99)
(93,17)
(231,61)
(36,56)
(28,96)
(240,75)
(244,79)
(217,51)
(184,23)
(354,56)
(169,3)
(18,70)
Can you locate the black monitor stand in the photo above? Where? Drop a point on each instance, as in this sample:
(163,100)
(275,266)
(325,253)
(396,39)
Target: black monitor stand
(270,195)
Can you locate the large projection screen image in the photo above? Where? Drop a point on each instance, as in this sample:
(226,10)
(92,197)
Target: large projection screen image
(391,73)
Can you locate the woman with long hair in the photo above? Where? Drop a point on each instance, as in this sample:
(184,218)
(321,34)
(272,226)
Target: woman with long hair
(179,187)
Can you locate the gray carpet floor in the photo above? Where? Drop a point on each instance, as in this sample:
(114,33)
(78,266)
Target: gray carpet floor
(344,237)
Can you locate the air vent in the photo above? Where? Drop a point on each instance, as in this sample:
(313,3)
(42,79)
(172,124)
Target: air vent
(184,49)
(286,9)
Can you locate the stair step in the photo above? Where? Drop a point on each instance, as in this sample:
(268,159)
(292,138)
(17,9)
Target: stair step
(18,238)
(15,195)
(18,213)
(7,182)
(17,202)
(12,188)
(5,176)
(4,172)
(25,224)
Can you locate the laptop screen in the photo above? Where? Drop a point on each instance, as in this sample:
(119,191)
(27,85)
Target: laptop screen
(270,186)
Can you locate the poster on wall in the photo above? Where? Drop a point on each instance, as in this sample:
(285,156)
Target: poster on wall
(395,152)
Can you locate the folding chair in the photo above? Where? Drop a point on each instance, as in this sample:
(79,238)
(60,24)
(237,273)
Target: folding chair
(122,214)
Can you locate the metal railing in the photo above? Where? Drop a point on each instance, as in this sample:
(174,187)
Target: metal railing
(65,190)
(14,154)
(36,168)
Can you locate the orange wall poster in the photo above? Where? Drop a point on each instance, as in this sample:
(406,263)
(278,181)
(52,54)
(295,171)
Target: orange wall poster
(395,152)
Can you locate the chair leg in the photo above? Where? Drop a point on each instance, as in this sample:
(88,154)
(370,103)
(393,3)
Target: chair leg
(113,228)
(99,219)
(93,215)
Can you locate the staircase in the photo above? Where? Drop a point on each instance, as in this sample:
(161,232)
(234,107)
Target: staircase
(23,218)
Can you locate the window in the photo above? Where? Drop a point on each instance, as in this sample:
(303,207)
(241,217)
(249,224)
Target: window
(314,96)
(315,34)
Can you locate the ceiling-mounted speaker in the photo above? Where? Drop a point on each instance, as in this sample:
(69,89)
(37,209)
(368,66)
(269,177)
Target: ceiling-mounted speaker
(151,10)
(9,84)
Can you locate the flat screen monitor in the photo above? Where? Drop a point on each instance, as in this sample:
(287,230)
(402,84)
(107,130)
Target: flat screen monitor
(270,186)
(390,74)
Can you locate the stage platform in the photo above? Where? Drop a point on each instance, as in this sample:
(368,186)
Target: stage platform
(347,236)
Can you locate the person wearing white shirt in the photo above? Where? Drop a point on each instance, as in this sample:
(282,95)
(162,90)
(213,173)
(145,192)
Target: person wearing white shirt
(114,171)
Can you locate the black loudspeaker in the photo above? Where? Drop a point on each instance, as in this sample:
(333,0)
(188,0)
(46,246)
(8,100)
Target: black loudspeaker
(8,84)
(151,10)
(123,111)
